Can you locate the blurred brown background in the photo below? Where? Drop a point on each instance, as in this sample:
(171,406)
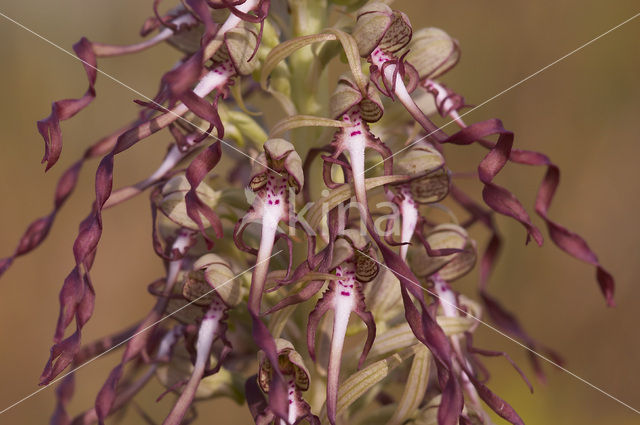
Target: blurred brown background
(583,112)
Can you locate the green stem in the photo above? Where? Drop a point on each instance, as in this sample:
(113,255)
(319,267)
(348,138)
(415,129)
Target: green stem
(307,17)
(310,97)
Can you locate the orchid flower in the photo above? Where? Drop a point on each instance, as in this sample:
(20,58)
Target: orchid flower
(297,378)
(212,326)
(441,270)
(429,183)
(275,172)
(356,110)
(382,32)
(353,268)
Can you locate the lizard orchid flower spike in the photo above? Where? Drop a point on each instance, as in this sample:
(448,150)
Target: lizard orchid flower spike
(214,312)
(297,377)
(354,267)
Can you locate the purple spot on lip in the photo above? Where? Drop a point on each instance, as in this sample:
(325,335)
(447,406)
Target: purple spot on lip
(277,201)
(270,202)
(345,293)
(355,133)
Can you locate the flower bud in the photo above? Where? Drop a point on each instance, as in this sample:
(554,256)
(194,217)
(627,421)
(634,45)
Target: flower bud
(431,187)
(378,26)
(290,363)
(420,159)
(345,246)
(430,180)
(352,245)
(173,203)
(432,52)
(181,305)
(239,46)
(197,290)
(217,274)
(366,267)
(281,156)
(347,95)
(449,267)
(187,41)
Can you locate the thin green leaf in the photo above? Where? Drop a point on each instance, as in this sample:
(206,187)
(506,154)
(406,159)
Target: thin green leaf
(297,121)
(248,127)
(415,387)
(283,50)
(341,194)
(286,103)
(236,92)
(350,47)
(360,382)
